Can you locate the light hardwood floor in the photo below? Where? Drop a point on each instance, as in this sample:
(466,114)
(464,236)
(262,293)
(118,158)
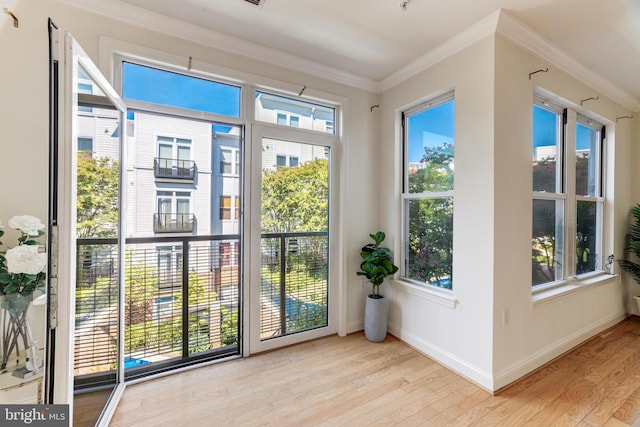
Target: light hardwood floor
(348,381)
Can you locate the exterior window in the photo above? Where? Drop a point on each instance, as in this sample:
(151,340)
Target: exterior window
(229,207)
(568,202)
(174,212)
(428,193)
(225,161)
(291,161)
(225,207)
(174,158)
(85,146)
(296,113)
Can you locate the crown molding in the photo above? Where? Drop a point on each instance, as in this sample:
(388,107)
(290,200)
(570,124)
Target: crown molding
(499,21)
(523,35)
(452,46)
(139,17)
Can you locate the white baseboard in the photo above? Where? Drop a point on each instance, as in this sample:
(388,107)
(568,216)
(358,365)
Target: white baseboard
(547,354)
(517,370)
(472,373)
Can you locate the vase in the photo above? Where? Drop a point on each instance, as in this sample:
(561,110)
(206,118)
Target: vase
(14,329)
(375,318)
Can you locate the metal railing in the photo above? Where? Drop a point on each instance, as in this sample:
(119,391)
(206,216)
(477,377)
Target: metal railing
(182,298)
(174,168)
(173,223)
(181,303)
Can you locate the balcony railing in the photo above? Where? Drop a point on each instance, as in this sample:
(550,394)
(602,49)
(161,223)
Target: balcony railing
(174,168)
(173,223)
(181,304)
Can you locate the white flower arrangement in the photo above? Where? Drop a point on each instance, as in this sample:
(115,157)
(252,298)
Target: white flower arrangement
(22,268)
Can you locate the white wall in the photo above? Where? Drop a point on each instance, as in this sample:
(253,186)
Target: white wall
(496,333)
(460,337)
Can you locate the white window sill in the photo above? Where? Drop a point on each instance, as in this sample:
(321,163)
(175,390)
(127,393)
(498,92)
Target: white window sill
(570,286)
(429,293)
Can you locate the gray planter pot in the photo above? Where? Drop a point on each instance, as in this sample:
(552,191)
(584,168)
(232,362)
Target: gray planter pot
(375,319)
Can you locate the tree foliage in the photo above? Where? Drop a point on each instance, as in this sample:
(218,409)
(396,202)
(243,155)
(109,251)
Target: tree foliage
(97,204)
(430,237)
(296,198)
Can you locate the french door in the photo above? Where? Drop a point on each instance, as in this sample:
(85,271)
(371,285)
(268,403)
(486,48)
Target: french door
(293,292)
(89,114)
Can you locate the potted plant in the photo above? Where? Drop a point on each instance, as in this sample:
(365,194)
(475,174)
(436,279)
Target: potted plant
(377,264)
(631,262)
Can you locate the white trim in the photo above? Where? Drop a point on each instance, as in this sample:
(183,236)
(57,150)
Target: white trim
(457,43)
(426,292)
(531,40)
(480,377)
(555,349)
(573,285)
(499,21)
(153,21)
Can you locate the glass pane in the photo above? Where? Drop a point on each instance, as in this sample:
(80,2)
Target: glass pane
(162,87)
(586,235)
(184,153)
(294,271)
(546,146)
(430,241)
(301,114)
(547,244)
(587,161)
(430,149)
(165,151)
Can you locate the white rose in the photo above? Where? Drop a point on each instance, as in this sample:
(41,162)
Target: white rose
(27,223)
(25,259)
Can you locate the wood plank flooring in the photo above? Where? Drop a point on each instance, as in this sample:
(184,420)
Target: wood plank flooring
(348,381)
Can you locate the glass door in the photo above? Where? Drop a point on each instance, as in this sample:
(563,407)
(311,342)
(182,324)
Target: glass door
(291,266)
(88,225)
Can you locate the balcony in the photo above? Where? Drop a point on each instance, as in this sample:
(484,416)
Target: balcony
(174,169)
(173,223)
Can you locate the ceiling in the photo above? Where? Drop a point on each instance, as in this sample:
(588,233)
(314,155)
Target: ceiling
(375,38)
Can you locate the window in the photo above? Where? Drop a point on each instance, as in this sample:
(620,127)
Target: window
(428,193)
(174,212)
(225,161)
(291,112)
(174,158)
(568,202)
(283,160)
(85,146)
(229,207)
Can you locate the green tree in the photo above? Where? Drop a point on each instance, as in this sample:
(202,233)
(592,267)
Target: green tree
(431,219)
(97,204)
(296,198)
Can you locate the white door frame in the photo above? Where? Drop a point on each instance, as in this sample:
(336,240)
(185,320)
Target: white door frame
(253,246)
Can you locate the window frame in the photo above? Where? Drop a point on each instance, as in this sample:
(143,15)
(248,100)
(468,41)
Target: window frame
(407,197)
(566,191)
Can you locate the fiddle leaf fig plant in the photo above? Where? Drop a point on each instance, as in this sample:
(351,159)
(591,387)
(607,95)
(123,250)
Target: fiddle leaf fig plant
(377,263)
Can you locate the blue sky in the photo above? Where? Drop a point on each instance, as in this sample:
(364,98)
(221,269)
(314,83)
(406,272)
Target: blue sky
(166,88)
(544,130)
(432,127)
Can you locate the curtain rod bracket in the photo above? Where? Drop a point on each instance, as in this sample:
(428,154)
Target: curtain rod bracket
(538,71)
(375,106)
(302,90)
(15,18)
(595,98)
(190,63)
